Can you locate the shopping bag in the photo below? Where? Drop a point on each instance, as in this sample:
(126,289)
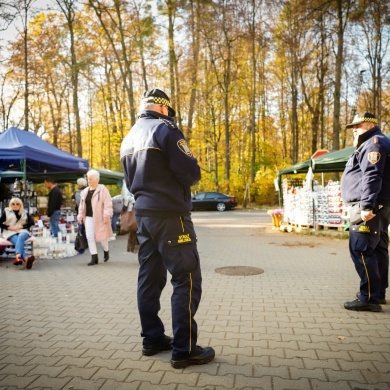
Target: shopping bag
(128,222)
(81,242)
(132,243)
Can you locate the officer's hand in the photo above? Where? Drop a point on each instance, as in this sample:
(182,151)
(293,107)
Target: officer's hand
(367,215)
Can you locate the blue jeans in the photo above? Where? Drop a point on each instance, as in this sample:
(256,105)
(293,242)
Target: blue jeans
(114,220)
(18,240)
(54,221)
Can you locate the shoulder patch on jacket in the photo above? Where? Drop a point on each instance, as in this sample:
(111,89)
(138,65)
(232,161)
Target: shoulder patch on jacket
(182,145)
(374,157)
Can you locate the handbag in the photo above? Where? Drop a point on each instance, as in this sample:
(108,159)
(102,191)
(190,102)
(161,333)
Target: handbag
(81,242)
(128,221)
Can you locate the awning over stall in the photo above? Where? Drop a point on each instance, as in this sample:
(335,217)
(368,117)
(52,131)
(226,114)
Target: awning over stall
(24,151)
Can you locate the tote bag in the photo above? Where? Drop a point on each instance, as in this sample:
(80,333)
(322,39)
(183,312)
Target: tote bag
(128,222)
(81,242)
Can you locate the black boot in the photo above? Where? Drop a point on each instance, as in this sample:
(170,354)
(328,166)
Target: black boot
(106,256)
(94,260)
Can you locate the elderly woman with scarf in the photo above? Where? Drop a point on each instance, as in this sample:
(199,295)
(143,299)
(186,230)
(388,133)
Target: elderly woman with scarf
(95,211)
(15,223)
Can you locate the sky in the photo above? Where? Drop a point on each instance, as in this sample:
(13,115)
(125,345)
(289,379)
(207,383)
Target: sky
(11,32)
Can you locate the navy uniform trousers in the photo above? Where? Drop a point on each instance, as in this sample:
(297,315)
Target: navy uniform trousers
(369,252)
(168,244)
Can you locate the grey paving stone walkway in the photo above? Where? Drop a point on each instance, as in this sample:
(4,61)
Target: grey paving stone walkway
(64,325)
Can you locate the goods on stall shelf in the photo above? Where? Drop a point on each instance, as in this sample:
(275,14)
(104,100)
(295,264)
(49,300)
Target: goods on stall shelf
(314,206)
(47,247)
(335,203)
(322,212)
(330,210)
(289,189)
(289,184)
(298,208)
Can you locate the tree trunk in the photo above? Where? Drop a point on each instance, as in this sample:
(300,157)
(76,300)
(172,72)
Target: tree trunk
(123,63)
(26,75)
(194,71)
(67,8)
(338,75)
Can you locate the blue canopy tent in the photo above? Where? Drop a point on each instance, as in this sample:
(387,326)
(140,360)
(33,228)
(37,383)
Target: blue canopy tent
(23,154)
(23,151)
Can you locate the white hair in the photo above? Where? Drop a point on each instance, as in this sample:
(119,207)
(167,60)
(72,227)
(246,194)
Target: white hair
(93,173)
(148,106)
(82,182)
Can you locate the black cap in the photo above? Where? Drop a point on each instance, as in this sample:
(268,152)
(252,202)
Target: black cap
(157,96)
(361,118)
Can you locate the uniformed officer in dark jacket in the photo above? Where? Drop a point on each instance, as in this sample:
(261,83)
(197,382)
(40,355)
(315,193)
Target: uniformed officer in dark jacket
(365,185)
(159,169)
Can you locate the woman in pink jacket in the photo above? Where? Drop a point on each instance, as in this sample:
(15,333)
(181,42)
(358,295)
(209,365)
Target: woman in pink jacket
(95,211)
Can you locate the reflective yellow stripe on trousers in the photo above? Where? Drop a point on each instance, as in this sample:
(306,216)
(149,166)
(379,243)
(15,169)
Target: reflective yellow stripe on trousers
(368,278)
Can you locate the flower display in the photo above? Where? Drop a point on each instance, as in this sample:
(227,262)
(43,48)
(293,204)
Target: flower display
(275,212)
(277,216)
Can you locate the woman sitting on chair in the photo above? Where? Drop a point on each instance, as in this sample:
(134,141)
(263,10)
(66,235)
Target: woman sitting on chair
(14,223)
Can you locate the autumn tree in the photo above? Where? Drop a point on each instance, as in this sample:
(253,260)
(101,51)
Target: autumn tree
(22,10)
(372,18)
(110,15)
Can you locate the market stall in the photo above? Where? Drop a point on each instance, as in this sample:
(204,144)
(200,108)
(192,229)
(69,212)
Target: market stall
(26,159)
(310,202)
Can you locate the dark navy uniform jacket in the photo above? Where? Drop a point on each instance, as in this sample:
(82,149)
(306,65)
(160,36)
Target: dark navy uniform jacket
(366,178)
(159,167)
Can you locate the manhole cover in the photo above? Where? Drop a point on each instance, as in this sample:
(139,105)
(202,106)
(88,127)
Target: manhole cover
(239,271)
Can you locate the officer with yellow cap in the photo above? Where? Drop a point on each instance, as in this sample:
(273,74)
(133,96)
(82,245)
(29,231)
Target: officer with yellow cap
(159,169)
(365,186)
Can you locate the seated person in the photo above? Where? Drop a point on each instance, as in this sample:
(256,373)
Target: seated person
(15,223)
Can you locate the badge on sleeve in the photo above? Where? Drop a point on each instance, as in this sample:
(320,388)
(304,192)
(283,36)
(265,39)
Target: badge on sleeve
(182,145)
(374,157)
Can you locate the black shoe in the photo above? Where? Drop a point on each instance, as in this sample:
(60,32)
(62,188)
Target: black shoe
(106,256)
(362,306)
(381,301)
(198,356)
(153,349)
(94,260)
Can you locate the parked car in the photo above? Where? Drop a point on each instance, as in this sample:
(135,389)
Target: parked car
(213,201)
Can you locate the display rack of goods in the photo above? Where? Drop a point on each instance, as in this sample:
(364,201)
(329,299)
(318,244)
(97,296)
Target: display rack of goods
(303,211)
(290,188)
(322,213)
(335,203)
(48,247)
(298,207)
(289,185)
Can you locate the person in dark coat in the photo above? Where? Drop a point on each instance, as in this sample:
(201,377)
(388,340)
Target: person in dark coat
(54,206)
(365,186)
(159,169)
